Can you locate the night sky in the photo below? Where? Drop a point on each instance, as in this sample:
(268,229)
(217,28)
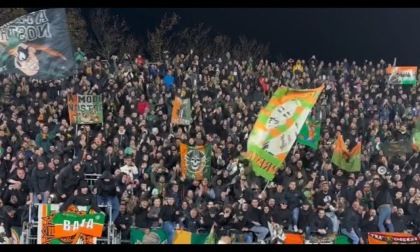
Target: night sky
(330,33)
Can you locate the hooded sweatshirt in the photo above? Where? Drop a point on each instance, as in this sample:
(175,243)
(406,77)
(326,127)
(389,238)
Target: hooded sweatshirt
(106,185)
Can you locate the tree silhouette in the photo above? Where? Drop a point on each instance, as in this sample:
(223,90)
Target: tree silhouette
(9,14)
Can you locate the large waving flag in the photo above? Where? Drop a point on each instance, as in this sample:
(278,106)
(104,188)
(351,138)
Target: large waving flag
(310,133)
(37,45)
(343,158)
(277,128)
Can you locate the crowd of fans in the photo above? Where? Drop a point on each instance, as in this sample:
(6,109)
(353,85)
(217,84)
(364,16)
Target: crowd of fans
(44,159)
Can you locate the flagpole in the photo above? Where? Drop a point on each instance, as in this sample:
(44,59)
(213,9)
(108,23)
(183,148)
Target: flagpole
(265,188)
(407,163)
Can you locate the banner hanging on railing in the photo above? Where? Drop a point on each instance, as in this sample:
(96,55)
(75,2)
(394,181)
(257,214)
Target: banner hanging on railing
(77,225)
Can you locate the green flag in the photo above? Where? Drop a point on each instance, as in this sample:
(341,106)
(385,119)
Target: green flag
(346,160)
(195,161)
(310,133)
(154,236)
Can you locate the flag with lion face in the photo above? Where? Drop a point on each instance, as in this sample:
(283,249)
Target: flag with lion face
(195,161)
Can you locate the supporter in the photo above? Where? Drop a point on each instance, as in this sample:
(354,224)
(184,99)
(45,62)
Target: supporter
(226,96)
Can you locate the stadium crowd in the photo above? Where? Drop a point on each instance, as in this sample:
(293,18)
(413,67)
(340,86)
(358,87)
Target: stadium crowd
(43,158)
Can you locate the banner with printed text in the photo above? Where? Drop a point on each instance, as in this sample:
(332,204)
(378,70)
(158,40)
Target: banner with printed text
(85,109)
(277,127)
(37,45)
(402,75)
(77,225)
(391,238)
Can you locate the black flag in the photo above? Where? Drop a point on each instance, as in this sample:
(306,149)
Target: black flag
(37,45)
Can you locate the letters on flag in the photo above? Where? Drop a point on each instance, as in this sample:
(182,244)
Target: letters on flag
(391,238)
(37,45)
(403,75)
(85,109)
(77,225)
(181,112)
(277,128)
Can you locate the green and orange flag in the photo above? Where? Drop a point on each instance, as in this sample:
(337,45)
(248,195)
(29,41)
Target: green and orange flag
(181,112)
(195,161)
(70,224)
(310,134)
(277,127)
(343,158)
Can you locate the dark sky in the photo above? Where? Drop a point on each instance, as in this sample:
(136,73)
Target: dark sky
(329,33)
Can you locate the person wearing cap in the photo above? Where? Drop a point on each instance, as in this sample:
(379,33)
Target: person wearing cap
(383,203)
(83,198)
(168,217)
(255,216)
(242,227)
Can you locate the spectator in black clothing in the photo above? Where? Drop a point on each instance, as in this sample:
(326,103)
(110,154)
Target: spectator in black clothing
(140,214)
(9,222)
(306,215)
(13,197)
(242,226)
(325,199)
(210,217)
(42,182)
(383,203)
(350,227)
(193,221)
(106,191)
(400,221)
(321,225)
(83,197)
(295,198)
(168,218)
(368,224)
(123,222)
(224,221)
(69,180)
(21,183)
(255,216)
(282,216)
